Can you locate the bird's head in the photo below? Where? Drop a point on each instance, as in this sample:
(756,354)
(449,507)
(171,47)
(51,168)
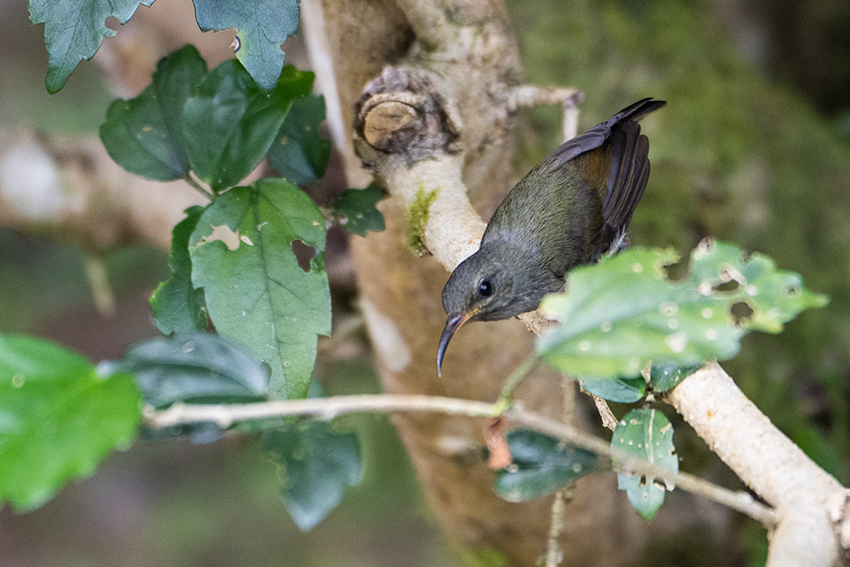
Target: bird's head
(480,289)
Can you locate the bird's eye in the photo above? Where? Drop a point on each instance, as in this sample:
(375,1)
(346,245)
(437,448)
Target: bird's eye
(485,288)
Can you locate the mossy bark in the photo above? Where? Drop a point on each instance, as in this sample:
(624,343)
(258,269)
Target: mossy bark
(400,292)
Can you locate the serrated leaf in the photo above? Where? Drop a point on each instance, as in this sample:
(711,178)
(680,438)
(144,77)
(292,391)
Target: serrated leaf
(624,312)
(541,465)
(58,418)
(74,30)
(316,465)
(665,376)
(620,390)
(176,305)
(229,123)
(256,292)
(298,153)
(261,25)
(648,435)
(143,135)
(198,368)
(356,209)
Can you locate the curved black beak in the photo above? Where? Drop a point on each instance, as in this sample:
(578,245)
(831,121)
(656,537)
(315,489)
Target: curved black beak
(453,323)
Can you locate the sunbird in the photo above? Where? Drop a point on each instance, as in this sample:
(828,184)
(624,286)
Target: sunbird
(570,210)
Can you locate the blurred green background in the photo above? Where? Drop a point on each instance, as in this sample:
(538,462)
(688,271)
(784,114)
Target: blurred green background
(754,147)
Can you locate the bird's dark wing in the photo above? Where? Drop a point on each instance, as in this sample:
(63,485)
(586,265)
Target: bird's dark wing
(597,135)
(629,173)
(607,165)
(627,182)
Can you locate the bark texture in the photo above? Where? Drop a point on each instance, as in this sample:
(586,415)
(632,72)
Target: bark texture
(471,55)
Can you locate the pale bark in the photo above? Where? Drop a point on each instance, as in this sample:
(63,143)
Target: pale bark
(811,504)
(473,62)
(419,156)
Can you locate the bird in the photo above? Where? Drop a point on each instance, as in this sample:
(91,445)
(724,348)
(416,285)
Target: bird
(572,209)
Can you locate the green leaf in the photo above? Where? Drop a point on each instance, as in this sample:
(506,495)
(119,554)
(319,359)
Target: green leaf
(256,292)
(143,135)
(176,76)
(665,376)
(261,25)
(646,434)
(58,418)
(298,153)
(74,30)
(199,368)
(541,465)
(623,312)
(136,137)
(229,123)
(316,466)
(356,209)
(176,305)
(620,390)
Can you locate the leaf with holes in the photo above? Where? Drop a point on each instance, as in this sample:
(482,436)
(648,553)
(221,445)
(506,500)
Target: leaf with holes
(357,209)
(623,312)
(229,123)
(541,465)
(58,418)
(176,305)
(143,135)
(256,292)
(299,153)
(316,465)
(74,30)
(646,434)
(261,25)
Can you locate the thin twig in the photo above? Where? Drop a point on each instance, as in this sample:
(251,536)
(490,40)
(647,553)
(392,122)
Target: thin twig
(531,95)
(625,463)
(569,123)
(565,495)
(329,408)
(553,549)
(323,408)
(101,289)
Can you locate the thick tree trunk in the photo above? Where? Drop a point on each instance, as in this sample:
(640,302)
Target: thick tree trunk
(475,56)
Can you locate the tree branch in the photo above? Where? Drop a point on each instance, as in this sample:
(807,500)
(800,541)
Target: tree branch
(765,459)
(553,548)
(429,23)
(70,189)
(332,407)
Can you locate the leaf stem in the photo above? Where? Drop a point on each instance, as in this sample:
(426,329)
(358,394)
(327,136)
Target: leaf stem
(506,396)
(559,506)
(198,187)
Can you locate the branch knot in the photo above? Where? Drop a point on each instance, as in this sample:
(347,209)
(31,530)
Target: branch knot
(403,112)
